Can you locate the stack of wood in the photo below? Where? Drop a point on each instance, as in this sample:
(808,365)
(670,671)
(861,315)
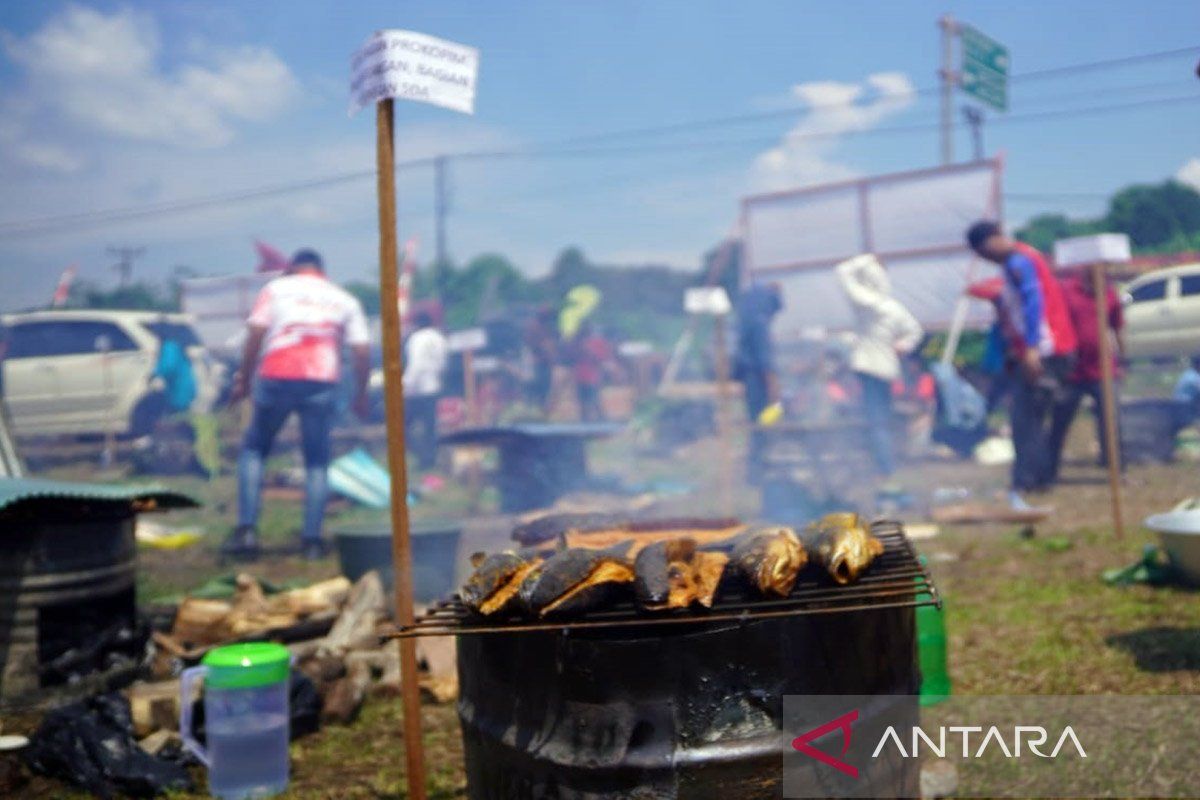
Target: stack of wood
(332,629)
(201,623)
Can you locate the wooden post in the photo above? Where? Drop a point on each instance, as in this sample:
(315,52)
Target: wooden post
(1109,408)
(393,392)
(468,360)
(473,476)
(723,420)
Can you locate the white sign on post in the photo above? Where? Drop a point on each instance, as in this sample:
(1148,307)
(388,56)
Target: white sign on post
(1110,248)
(706,300)
(412,66)
(469,339)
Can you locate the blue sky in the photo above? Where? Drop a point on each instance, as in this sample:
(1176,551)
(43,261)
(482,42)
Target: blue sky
(113,105)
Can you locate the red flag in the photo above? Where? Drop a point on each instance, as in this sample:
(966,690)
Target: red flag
(269,258)
(63,290)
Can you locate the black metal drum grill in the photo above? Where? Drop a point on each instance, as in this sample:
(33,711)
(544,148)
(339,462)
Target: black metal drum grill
(68,615)
(622,704)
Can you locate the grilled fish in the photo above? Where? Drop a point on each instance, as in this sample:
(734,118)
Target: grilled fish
(843,545)
(674,574)
(492,588)
(573,581)
(550,526)
(769,559)
(704,532)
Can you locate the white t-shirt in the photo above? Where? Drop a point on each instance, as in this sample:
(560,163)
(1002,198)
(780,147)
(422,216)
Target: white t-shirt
(307,319)
(425,356)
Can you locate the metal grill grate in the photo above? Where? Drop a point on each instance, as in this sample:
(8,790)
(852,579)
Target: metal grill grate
(895,579)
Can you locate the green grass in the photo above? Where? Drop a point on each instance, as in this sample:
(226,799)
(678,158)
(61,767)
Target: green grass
(1023,615)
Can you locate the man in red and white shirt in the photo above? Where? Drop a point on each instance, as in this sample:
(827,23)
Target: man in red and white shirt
(294,340)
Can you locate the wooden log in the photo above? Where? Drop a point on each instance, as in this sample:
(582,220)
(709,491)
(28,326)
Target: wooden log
(325,596)
(345,697)
(439,688)
(355,627)
(200,622)
(324,668)
(248,595)
(155,742)
(978,513)
(302,651)
(389,683)
(154,707)
(438,658)
(437,655)
(376,661)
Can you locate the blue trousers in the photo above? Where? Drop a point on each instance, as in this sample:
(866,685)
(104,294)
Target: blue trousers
(274,401)
(877,407)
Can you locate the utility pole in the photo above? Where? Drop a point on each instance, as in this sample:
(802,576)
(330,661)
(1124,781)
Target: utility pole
(125,257)
(440,207)
(974,117)
(949,79)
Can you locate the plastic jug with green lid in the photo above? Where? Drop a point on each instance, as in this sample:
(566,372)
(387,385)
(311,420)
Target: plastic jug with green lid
(246,718)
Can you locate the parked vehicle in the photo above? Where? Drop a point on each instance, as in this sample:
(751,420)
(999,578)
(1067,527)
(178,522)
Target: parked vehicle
(1162,313)
(89,371)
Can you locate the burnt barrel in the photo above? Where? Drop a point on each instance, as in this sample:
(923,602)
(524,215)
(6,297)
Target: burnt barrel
(68,572)
(685,712)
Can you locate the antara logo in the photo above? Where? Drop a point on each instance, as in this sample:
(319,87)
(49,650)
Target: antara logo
(801,743)
(1023,738)
(1032,736)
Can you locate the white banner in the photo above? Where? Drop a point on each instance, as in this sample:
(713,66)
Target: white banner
(913,221)
(412,66)
(469,339)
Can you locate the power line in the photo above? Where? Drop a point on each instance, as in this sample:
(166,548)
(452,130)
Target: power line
(74,221)
(916,127)
(791,111)
(51,224)
(36,226)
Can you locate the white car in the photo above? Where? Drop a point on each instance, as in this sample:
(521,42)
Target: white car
(89,371)
(1162,313)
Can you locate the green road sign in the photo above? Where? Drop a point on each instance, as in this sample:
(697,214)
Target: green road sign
(984,73)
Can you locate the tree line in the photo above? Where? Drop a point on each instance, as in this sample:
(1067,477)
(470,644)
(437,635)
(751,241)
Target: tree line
(645,301)
(1158,218)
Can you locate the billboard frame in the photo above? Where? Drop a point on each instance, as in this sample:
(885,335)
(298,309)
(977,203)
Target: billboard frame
(995,211)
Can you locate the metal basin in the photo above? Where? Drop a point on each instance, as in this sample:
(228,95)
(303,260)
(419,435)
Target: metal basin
(362,548)
(1179,532)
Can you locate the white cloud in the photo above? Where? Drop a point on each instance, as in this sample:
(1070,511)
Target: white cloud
(836,109)
(88,73)
(1189,173)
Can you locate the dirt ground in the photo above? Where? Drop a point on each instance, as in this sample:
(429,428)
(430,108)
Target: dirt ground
(1024,614)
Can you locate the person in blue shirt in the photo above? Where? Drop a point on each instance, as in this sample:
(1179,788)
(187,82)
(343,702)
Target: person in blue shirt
(1187,392)
(754,362)
(177,374)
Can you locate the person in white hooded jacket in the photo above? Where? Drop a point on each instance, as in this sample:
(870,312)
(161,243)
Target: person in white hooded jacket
(884,331)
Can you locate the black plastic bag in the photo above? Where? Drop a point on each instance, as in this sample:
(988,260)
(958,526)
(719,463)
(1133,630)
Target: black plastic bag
(304,710)
(90,744)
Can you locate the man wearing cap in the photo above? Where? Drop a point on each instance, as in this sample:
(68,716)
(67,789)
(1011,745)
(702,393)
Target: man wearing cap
(1042,349)
(294,340)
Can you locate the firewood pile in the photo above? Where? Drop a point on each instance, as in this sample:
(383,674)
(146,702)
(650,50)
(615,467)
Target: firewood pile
(332,630)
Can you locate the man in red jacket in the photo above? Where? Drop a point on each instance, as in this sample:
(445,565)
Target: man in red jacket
(1043,350)
(1085,378)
